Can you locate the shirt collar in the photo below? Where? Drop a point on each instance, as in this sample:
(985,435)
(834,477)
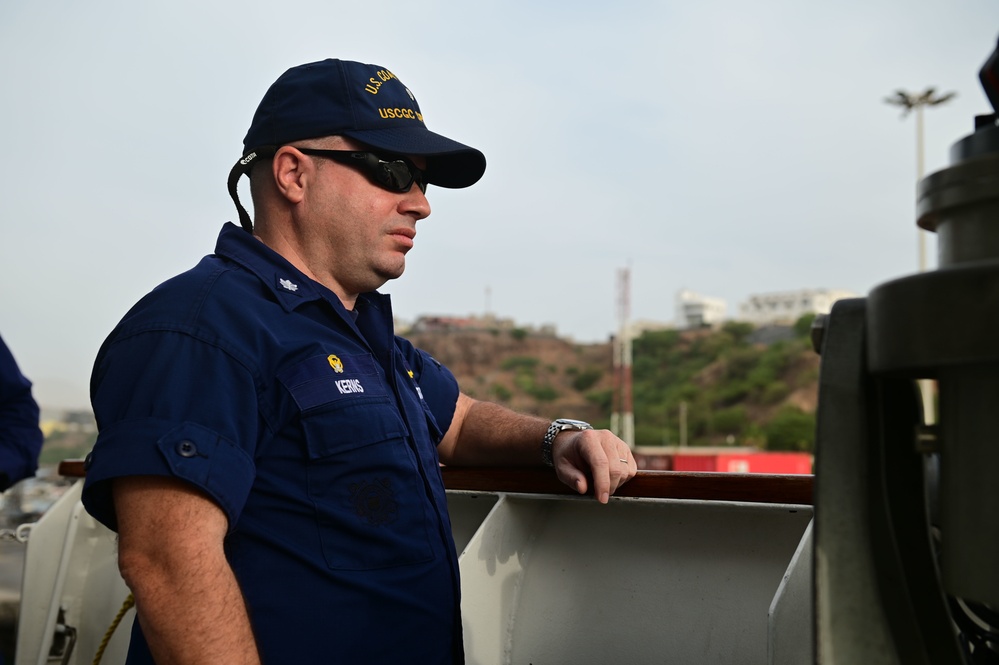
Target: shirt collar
(289,285)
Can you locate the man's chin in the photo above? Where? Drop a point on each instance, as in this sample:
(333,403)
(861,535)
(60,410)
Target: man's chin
(392,272)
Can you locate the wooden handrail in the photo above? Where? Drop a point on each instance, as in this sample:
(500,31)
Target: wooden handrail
(72,468)
(742,487)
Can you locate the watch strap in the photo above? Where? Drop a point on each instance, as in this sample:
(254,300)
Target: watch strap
(559,425)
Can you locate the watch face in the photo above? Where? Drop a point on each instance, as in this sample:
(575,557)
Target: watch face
(578,424)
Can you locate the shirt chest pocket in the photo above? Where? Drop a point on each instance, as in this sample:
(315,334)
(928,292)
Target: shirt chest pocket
(363,477)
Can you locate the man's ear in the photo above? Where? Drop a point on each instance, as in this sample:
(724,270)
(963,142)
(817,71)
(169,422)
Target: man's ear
(291,171)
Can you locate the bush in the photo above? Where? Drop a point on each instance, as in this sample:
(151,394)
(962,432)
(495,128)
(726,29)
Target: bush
(520,363)
(791,429)
(775,392)
(502,393)
(740,362)
(803,326)
(738,330)
(543,393)
(731,392)
(656,340)
(729,421)
(524,382)
(651,435)
(586,379)
(601,398)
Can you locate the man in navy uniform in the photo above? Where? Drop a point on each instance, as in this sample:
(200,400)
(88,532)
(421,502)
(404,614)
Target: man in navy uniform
(269,450)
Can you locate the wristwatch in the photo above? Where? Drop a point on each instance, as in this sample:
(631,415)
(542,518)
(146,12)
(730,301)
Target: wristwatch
(557,426)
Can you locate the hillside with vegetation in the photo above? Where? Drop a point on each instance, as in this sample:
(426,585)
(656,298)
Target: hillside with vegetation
(734,385)
(731,386)
(527,371)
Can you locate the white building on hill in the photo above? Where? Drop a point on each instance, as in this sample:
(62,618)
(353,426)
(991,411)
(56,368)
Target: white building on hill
(695,311)
(788,306)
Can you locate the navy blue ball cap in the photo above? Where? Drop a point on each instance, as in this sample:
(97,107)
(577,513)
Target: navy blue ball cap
(364,102)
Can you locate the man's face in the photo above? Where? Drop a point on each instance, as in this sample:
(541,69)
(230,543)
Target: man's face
(356,231)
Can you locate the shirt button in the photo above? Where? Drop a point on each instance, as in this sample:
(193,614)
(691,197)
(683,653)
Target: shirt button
(187,449)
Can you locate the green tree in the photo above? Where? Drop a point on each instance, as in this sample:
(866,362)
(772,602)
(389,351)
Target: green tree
(803,326)
(502,393)
(520,363)
(730,421)
(602,398)
(586,379)
(791,429)
(739,330)
(543,393)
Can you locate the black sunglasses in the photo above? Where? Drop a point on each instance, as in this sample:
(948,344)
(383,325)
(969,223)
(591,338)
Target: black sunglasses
(396,174)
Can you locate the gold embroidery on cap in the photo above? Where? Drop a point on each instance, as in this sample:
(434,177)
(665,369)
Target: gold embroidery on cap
(406,114)
(373,84)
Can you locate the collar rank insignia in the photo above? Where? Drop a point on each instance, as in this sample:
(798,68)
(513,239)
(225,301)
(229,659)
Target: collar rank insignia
(335,363)
(288,285)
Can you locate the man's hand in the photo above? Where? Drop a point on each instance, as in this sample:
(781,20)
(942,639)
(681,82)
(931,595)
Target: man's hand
(583,457)
(486,434)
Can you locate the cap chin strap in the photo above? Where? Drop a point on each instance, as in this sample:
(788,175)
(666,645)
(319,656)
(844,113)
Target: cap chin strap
(244,166)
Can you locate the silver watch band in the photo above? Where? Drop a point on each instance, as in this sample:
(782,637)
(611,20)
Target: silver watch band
(559,425)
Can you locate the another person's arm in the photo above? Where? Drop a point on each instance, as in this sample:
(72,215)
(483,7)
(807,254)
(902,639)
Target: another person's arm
(171,556)
(483,434)
(20,436)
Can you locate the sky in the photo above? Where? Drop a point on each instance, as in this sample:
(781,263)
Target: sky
(726,147)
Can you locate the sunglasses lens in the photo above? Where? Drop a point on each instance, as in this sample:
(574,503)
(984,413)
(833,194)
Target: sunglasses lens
(395,174)
(399,176)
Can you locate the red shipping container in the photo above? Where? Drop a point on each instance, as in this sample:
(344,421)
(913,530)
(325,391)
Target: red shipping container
(748,462)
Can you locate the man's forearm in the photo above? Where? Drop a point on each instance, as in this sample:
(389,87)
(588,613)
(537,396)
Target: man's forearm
(484,434)
(490,434)
(185,623)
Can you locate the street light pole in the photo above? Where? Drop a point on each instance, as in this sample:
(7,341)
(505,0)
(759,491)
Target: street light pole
(916,101)
(919,177)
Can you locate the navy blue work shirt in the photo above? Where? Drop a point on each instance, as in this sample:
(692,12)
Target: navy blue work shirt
(314,429)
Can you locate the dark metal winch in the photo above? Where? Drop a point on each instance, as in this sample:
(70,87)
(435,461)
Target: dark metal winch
(923,515)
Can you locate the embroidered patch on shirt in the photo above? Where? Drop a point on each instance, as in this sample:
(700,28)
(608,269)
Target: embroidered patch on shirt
(412,376)
(323,379)
(375,501)
(335,363)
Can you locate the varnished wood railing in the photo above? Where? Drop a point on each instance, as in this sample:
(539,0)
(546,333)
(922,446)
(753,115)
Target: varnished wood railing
(745,487)
(742,487)
(72,468)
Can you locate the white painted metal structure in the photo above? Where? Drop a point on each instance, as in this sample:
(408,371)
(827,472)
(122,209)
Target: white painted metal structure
(545,579)
(70,569)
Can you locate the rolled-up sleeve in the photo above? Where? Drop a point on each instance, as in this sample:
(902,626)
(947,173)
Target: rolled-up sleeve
(169,403)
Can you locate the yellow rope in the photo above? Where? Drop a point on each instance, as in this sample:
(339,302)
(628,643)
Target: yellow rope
(127,605)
